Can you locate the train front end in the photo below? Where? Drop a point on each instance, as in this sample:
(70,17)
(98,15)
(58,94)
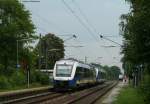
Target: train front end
(64,74)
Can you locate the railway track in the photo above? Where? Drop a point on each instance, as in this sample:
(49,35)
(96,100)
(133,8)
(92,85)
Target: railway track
(34,98)
(88,96)
(5,96)
(91,98)
(26,96)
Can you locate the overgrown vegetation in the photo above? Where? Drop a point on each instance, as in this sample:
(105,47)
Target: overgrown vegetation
(112,72)
(16,33)
(129,95)
(18,79)
(50,48)
(135,28)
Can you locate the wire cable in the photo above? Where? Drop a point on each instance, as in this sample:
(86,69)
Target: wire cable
(79,19)
(48,22)
(84,16)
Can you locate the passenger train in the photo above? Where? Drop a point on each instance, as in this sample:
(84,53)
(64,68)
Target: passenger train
(71,73)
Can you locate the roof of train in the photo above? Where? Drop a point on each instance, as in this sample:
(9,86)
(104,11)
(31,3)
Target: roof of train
(72,61)
(99,69)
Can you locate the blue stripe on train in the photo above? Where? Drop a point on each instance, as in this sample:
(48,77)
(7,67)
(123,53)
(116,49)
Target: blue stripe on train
(71,83)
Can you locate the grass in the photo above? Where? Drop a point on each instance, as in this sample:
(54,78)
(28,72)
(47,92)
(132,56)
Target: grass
(129,95)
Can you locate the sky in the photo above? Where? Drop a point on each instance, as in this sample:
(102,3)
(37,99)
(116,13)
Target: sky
(87,19)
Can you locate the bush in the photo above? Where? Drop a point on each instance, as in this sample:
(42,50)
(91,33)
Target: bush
(1,69)
(33,76)
(145,88)
(44,79)
(129,95)
(41,78)
(18,78)
(4,83)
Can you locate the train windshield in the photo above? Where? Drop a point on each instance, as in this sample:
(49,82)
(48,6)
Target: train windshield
(63,70)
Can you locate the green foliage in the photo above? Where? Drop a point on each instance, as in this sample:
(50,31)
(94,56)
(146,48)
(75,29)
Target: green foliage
(4,83)
(18,78)
(112,73)
(40,77)
(129,95)
(16,25)
(1,69)
(51,49)
(135,28)
(115,71)
(145,88)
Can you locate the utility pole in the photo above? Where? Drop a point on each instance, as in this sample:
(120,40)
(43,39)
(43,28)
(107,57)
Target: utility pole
(85,59)
(46,56)
(40,43)
(17,57)
(28,76)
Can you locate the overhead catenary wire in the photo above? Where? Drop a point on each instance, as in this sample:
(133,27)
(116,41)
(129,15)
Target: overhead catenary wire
(79,19)
(103,37)
(89,30)
(46,21)
(82,23)
(84,16)
(88,22)
(50,23)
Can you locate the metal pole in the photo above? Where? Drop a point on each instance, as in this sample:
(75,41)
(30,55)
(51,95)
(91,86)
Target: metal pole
(17,55)
(40,52)
(135,81)
(28,77)
(85,59)
(46,57)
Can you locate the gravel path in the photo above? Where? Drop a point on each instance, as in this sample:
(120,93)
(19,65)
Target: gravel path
(110,97)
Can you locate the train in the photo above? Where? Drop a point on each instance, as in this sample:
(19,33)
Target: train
(71,73)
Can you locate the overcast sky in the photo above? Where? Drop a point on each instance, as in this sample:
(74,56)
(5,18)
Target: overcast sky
(103,17)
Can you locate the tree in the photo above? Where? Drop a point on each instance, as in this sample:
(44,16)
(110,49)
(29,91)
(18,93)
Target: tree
(15,24)
(50,49)
(115,71)
(136,49)
(136,30)
(112,72)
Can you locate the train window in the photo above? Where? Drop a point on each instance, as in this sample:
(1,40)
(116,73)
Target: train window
(77,71)
(63,70)
(87,73)
(80,72)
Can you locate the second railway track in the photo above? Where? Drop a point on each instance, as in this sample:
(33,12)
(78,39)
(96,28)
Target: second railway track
(86,96)
(34,98)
